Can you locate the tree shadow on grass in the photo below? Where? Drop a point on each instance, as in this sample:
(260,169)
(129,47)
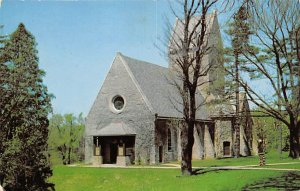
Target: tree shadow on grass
(288,181)
(199,171)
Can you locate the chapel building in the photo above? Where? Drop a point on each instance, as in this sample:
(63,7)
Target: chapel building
(136,117)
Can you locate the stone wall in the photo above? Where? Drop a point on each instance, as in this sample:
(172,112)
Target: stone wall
(161,140)
(88,148)
(173,153)
(135,114)
(223,133)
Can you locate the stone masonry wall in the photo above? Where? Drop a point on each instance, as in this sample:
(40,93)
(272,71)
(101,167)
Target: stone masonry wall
(223,132)
(135,114)
(161,139)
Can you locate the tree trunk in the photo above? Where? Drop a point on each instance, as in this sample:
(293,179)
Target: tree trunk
(69,155)
(237,109)
(1,179)
(294,141)
(187,133)
(187,141)
(186,162)
(62,150)
(237,139)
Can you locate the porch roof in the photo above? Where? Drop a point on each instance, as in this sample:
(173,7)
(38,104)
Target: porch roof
(116,129)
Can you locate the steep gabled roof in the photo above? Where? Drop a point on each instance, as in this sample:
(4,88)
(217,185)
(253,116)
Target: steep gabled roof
(155,84)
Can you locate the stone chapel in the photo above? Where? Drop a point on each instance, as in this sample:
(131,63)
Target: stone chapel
(133,119)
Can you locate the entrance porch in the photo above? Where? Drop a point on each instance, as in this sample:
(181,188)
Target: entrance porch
(114,150)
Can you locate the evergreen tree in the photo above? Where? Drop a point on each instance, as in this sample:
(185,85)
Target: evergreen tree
(3,78)
(276,63)
(239,31)
(24,160)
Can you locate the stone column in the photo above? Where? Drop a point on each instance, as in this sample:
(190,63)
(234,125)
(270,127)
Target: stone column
(197,145)
(89,152)
(244,149)
(218,139)
(152,153)
(179,143)
(200,128)
(208,144)
(122,160)
(121,150)
(97,158)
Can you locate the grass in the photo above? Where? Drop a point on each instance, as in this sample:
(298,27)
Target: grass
(287,181)
(89,179)
(271,157)
(152,179)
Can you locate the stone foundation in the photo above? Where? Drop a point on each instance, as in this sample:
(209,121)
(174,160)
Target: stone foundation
(97,160)
(123,160)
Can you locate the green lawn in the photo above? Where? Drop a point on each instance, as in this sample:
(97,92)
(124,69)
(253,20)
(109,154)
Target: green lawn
(90,179)
(271,157)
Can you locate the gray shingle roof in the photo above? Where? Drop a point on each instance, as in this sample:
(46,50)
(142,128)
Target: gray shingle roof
(114,129)
(157,87)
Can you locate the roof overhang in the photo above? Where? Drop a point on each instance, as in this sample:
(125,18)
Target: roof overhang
(116,129)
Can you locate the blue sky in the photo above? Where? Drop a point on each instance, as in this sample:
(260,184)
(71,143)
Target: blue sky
(77,41)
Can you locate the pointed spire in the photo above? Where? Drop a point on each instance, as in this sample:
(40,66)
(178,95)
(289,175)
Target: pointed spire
(214,13)
(119,54)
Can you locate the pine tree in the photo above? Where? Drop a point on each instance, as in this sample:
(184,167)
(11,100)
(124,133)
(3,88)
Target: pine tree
(24,122)
(275,62)
(239,31)
(4,76)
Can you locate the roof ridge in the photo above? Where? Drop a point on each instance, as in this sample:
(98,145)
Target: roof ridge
(135,82)
(98,94)
(145,62)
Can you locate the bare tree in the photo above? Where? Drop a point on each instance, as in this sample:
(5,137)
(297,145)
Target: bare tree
(276,25)
(187,50)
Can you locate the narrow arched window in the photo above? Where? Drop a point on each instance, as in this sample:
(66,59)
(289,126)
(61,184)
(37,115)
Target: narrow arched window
(169,140)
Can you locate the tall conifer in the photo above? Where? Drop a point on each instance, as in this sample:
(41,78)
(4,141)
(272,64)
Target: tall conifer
(239,31)
(24,122)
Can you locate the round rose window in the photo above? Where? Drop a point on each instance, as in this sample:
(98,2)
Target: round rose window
(118,102)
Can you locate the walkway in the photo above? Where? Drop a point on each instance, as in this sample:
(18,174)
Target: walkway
(245,167)
(177,166)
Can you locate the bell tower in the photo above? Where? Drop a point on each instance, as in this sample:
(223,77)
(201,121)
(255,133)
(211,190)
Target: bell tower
(212,84)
